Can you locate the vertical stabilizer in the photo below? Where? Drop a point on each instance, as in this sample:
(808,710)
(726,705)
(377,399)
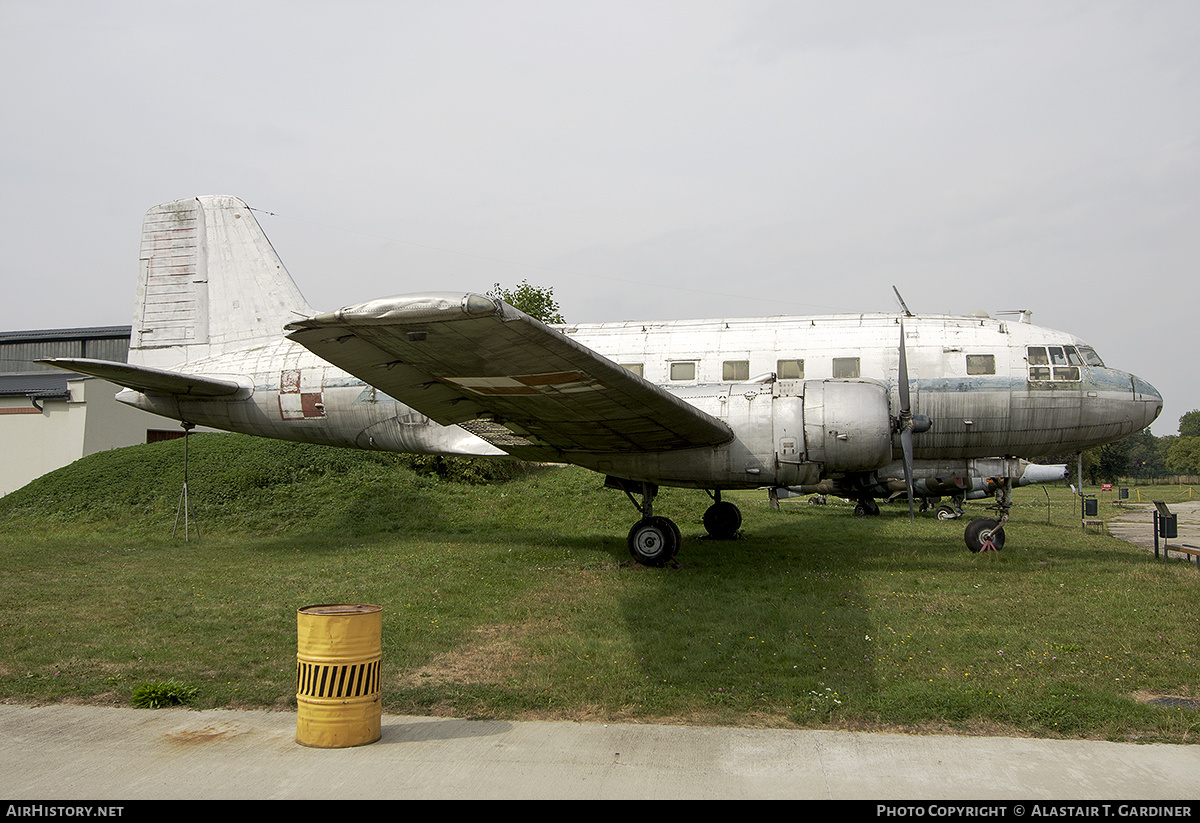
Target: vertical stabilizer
(209,283)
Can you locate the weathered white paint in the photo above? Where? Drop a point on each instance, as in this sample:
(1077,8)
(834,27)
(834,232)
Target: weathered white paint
(213,299)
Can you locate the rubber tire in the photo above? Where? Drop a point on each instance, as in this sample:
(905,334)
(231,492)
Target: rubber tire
(654,541)
(722,520)
(945,513)
(974,533)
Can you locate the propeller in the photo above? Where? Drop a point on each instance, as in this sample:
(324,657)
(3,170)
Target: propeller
(908,423)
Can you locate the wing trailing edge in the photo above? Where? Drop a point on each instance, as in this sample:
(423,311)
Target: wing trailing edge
(469,360)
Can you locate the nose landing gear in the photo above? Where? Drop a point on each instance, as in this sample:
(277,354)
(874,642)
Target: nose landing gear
(986,534)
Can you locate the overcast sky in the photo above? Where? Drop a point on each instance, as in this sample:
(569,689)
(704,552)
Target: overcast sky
(647,160)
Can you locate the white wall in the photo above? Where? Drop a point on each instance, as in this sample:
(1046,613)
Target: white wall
(33,443)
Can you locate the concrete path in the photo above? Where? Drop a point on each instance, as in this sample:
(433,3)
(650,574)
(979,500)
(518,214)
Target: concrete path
(1136,525)
(90,753)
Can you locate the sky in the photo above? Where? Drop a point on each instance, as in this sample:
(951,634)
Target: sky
(647,160)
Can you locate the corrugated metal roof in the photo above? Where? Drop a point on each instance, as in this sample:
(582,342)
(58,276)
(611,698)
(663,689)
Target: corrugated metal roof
(81,333)
(35,384)
(19,350)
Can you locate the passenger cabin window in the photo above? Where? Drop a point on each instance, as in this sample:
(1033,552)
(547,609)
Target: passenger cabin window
(1054,363)
(636,368)
(735,370)
(683,370)
(845,367)
(981,364)
(789,369)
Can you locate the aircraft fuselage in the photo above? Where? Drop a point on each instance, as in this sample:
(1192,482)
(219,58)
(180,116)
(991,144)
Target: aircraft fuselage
(799,393)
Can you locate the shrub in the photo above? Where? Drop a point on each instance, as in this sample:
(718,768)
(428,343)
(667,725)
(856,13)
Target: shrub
(159,693)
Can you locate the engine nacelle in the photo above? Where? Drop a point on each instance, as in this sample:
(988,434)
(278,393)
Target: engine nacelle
(788,433)
(847,425)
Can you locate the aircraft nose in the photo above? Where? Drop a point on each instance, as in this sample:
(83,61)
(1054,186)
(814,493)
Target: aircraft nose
(1149,397)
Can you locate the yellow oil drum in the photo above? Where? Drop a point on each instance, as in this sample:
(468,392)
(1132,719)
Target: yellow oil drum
(338,652)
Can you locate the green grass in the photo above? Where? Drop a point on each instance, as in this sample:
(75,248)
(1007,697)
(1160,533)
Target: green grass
(518,600)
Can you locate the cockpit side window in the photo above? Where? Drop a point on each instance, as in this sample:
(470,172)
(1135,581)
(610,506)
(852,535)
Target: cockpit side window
(1090,357)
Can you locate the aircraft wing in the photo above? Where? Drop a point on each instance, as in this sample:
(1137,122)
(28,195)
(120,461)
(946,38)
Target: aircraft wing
(514,381)
(146,379)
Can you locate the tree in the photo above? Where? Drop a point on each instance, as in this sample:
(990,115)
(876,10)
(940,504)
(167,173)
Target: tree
(1189,424)
(1145,458)
(1183,456)
(1114,461)
(536,301)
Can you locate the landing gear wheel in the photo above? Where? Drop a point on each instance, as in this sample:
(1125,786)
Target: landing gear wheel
(866,508)
(945,513)
(722,520)
(982,534)
(654,541)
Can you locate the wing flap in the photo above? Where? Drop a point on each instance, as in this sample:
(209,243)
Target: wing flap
(150,380)
(469,360)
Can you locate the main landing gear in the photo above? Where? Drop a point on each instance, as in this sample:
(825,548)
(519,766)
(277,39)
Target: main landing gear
(722,519)
(654,541)
(866,508)
(947,513)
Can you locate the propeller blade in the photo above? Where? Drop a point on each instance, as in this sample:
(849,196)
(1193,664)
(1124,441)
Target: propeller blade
(906,441)
(906,422)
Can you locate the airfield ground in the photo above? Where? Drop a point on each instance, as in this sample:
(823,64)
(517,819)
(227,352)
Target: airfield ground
(96,753)
(528,659)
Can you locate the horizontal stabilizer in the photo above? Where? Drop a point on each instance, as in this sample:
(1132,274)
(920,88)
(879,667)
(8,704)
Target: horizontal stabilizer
(149,380)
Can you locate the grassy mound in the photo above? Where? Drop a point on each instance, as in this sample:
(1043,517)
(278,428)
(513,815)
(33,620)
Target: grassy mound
(238,482)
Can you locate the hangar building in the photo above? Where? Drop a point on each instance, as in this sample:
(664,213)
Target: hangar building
(49,418)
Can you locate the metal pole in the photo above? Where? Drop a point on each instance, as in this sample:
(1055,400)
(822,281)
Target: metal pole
(184,499)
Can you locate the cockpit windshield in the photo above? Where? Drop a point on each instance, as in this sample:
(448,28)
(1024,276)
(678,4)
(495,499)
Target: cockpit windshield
(1059,363)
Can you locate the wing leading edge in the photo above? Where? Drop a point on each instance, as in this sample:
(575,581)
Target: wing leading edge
(151,380)
(514,381)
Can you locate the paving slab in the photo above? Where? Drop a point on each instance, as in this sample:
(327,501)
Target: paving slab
(1136,525)
(92,753)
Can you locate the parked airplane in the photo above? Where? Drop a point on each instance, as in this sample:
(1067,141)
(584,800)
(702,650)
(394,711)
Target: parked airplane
(982,480)
(706,404)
